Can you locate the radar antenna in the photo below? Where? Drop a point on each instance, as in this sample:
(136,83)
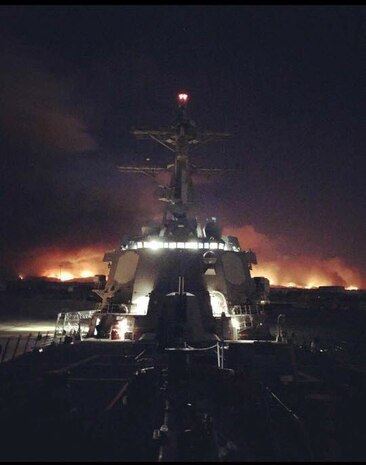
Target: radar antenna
(178,138)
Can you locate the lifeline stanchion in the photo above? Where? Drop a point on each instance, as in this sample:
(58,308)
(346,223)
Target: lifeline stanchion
(27,343)
(38,338)
(220,354)
(46,339)
(5,349)
(16,345)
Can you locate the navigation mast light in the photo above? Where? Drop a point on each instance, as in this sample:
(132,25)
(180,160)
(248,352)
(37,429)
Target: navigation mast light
(183,97)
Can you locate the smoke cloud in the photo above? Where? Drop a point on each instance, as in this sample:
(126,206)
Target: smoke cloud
(294,270)
(35,105)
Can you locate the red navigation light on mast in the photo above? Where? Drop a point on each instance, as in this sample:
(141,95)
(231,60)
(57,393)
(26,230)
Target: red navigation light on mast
(182,98)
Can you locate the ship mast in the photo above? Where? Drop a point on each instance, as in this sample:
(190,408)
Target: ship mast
(178,138)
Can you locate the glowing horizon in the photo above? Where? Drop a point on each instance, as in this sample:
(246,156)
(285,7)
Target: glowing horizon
(272,273)
(300,271)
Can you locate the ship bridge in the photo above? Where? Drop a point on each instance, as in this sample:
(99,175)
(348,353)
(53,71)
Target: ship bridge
(189,245)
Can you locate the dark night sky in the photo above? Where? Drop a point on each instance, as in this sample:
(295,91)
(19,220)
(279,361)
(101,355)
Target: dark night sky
(287,82)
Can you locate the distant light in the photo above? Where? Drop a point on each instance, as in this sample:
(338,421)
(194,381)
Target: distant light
(86,274)
(66,275)
(183,97)
(351,288)
(40,350)
(21,276)
(311,285)
(235,323)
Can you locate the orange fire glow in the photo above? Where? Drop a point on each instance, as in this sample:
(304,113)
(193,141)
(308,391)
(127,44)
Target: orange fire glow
(290,271)
(295,271)
(66,264)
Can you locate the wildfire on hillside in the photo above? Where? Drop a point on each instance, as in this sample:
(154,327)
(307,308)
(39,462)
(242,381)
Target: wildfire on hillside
(300,271)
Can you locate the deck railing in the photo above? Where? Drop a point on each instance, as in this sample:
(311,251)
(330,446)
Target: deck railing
(72,323)
(14,346)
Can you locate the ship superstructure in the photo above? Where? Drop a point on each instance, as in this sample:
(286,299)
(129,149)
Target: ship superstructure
(179,280)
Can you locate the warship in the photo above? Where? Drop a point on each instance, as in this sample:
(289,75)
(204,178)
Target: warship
(179,281)
(177,363)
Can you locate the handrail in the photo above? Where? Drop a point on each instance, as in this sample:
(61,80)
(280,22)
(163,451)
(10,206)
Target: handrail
(297,419)
(244,309)
(24,343)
